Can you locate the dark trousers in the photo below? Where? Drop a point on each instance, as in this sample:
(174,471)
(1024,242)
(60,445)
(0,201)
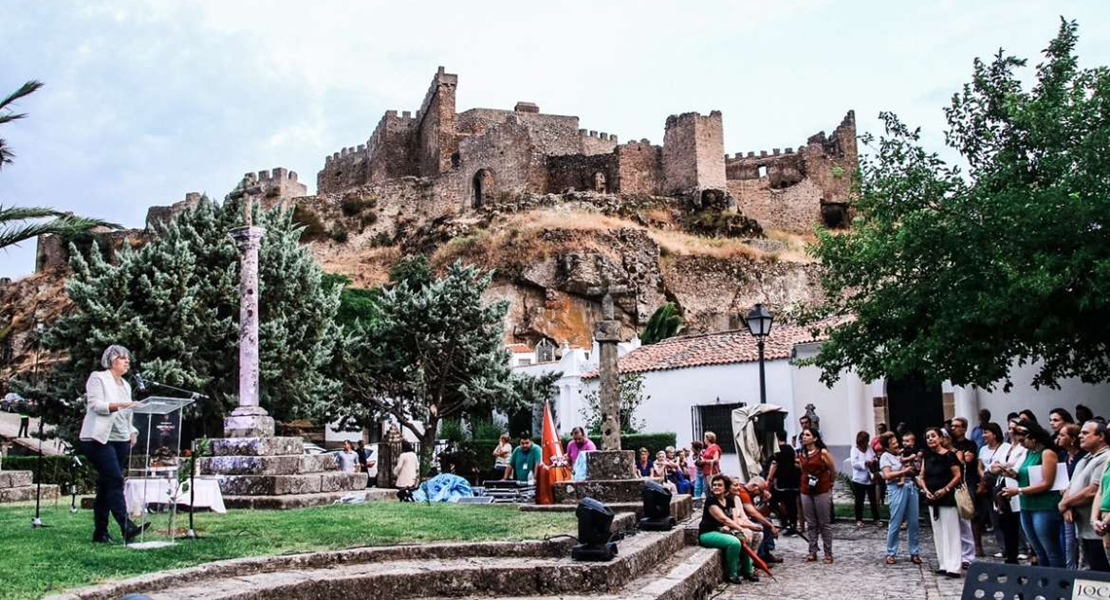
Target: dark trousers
(787,500)
(865,489)
(109,460)
(24,423)
(1096,555)
(1011,535)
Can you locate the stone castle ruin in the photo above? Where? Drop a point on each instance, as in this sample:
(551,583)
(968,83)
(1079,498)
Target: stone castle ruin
(480,155)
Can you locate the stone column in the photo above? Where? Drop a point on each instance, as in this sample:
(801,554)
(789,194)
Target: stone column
(607,334)
(249,419)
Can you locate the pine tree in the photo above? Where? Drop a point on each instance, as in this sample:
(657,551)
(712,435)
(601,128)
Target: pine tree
(175,304)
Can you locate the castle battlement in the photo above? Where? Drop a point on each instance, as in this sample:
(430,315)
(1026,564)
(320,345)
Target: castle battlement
(594,134)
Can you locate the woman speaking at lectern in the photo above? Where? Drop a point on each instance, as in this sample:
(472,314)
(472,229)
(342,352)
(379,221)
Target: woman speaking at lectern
(106,439)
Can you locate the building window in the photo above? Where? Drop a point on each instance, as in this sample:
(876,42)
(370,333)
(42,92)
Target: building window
(718,419)
(524,362)
(762,172)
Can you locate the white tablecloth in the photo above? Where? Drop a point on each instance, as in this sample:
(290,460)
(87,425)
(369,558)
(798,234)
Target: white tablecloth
(159,491)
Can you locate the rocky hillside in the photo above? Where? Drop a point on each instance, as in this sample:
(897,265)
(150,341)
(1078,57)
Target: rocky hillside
(551,254)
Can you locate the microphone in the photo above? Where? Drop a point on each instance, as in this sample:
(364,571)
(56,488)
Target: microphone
(139,383)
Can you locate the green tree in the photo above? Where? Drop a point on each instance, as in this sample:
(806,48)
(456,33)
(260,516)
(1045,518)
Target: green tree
(956,276)
(631,393)
(433,352)
(664,323)
(18,224)
(175,304)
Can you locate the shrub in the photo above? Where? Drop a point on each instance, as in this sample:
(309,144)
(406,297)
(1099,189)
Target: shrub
(354,204)
(380,240)
(339,235)
(722,224)
(368,219)
(313,227)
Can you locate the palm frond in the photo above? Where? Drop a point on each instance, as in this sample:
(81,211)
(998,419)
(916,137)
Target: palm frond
(66,224)
(24,90)
(20,213)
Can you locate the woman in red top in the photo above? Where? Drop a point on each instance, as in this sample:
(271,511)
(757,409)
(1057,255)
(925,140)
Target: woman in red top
(818,474)
(711,456)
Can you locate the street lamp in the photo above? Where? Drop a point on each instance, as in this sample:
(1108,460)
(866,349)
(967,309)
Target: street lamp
(759,325)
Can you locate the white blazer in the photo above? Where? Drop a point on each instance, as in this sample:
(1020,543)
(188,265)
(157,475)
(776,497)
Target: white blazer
(100,391)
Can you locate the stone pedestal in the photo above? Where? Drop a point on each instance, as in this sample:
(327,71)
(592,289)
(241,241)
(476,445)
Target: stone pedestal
(18,486)
(274,472)
(611,480)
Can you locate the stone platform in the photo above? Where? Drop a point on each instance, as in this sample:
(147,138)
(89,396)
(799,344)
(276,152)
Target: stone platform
(681,507)
(18,486)
(275,473)
(649,566)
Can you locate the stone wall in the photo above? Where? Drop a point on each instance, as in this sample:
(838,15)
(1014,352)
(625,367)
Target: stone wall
(796,191)
(437,125)
(693,153)
(392,148)
(579,172)
(159,216)
(348,168)
(639,168)
(592,142)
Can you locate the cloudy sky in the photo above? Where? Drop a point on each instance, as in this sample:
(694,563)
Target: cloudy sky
(146,100)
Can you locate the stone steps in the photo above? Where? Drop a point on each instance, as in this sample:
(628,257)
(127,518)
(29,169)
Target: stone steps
(292,501)
(26,493)
(681,507)
(18,486)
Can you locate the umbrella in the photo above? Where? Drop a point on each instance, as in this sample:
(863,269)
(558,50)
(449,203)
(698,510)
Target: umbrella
(554,468)
(758,561)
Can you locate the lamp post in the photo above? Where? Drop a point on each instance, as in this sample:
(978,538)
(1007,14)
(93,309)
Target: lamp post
(759,325)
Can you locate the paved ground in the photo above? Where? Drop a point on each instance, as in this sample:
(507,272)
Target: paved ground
(9,426)
(859,571)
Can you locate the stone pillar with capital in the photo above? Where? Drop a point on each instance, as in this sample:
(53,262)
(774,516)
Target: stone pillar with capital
(249,419)
(608,334)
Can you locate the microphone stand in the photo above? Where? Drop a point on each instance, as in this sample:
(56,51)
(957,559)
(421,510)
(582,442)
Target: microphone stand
(74,463)
(196,398)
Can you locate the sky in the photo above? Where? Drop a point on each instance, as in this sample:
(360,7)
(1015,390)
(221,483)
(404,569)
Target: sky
(146,100)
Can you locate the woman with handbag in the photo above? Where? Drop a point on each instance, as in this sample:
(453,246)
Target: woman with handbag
(994,450)
(1040,515)
(818,474)
(939,478)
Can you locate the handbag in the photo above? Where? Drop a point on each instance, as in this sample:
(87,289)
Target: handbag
(965,506)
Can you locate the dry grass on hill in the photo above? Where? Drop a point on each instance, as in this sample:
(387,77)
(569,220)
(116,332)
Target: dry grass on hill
(517,239)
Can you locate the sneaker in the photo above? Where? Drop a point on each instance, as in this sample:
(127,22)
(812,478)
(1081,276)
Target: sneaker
(998,555)
(771,558)
(1023,556)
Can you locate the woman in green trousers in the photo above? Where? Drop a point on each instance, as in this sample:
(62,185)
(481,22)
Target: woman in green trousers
(717,531)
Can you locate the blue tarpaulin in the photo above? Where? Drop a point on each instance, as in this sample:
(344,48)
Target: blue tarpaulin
(443,488)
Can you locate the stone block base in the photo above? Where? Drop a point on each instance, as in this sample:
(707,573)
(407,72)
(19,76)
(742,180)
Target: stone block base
(305,500)
(11,479)
(280,485)
(270,465)
(614,490)
(26,493)
(257,446)
(681,507)
(246,426)
(609,464)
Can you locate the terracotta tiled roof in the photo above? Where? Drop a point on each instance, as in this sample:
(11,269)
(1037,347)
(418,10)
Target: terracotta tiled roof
(723,348)
(519,348)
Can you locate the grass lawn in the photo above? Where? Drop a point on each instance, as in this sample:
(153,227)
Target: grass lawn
(34,563)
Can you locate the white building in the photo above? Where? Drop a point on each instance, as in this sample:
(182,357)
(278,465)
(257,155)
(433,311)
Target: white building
(573,362)
(693,382)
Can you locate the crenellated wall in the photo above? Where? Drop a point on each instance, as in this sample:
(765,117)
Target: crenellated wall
(797,190)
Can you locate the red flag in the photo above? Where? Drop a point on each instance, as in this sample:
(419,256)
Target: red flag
(555,467)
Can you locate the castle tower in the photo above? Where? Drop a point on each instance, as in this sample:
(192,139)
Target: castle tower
(438,139)
(693,153)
